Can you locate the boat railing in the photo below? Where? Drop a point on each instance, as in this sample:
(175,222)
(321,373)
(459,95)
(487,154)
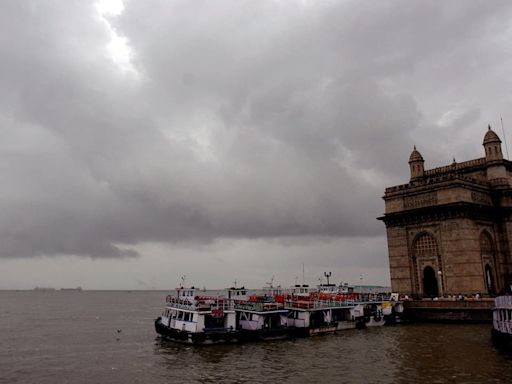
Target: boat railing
(258,306)
(199,304)
(316,304)
(503,301)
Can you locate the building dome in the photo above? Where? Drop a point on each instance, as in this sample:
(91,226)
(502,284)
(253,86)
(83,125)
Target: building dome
(415,156)
(490,137)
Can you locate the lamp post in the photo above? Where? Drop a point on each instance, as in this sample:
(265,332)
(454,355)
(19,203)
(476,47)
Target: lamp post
(327,275)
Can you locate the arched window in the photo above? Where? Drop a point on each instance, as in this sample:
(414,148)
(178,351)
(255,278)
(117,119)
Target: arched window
(487,253)
(425,245)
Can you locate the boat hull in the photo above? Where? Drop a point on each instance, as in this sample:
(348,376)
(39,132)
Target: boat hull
(273,334)
(373,321)
(228,336)
(199,338)
(501,339)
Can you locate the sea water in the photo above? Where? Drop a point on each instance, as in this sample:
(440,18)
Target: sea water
(109,337)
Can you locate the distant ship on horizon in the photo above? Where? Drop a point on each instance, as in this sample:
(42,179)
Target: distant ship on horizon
(72,289)
(51,289)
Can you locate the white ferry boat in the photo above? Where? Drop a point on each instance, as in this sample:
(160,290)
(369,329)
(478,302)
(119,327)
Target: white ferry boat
(502,320)
(271,314)
(262,318)
(193,319)
(319,312)
(366,310)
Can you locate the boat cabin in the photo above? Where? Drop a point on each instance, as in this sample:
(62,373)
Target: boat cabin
(345,288)
(186,294)
(301,290)
(260,318)
(188,312)
(237,294)
(328,288)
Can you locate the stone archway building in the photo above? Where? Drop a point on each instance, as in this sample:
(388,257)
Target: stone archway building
(454,220)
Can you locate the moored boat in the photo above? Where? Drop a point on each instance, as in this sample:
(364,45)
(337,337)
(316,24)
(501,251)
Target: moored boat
(264,318)
(193,319)
(502,320)
(237,316)
(318,312)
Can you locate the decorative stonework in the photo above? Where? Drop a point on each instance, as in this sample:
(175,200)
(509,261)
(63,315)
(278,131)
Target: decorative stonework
(423,200)
(480,198)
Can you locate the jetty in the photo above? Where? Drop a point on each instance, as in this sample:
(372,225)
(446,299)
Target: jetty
(449,310)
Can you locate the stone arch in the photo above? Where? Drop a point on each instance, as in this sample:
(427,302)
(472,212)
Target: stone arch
(488,256)
(426,254)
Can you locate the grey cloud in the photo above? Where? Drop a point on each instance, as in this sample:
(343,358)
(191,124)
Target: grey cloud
(248,119)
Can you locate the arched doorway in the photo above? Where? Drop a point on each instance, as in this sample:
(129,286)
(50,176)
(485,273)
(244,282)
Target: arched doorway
(425,262)
(430,287)
(489,281)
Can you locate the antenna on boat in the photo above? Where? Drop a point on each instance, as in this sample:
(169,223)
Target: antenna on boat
(271,282)
(183,281)
(504,137)
(327,275)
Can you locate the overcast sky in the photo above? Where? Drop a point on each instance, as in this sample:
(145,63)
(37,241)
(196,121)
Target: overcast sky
(230,140)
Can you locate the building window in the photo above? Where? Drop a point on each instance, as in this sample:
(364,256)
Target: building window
(487,254)
(425,246)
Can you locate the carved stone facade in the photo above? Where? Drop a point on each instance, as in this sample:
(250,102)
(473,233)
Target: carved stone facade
(449,229)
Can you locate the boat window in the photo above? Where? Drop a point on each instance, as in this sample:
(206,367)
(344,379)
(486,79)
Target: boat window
(295,314)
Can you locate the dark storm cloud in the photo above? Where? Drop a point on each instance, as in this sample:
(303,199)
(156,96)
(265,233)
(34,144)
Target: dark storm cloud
(244,119)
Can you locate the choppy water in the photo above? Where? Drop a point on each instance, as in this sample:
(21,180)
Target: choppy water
(71,337)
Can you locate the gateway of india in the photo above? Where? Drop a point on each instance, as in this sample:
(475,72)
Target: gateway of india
(449,229)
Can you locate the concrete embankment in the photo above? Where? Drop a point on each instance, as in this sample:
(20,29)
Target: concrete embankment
(463,311)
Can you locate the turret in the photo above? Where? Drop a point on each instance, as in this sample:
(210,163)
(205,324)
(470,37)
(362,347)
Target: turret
(492,146)
(496,172)
(416,164)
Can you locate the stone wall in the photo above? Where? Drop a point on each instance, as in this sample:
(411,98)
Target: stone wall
(477,311)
